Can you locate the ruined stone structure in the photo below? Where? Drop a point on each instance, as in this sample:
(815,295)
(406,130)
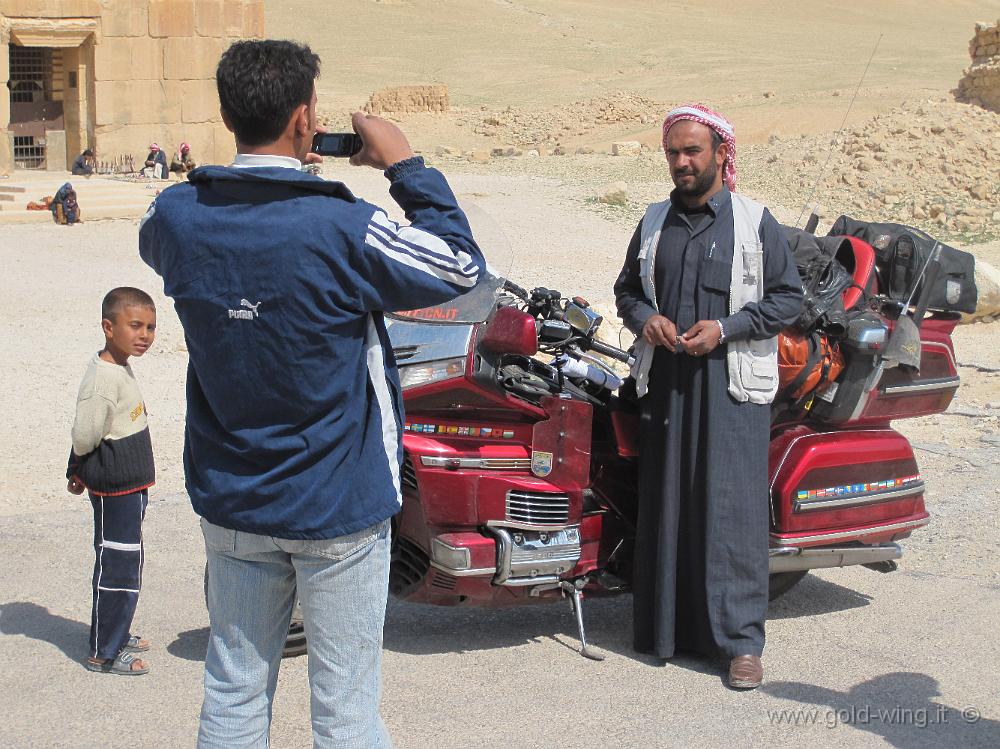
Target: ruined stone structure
(115,75)
(408,99)
(982,79)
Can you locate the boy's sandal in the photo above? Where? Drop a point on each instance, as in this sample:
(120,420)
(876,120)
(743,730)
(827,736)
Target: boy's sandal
(122,664)
(136,644)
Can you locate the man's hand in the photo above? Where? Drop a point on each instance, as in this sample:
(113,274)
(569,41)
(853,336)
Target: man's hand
(75,486)
(659,331)
(385,143)
(314,158)
(702,338)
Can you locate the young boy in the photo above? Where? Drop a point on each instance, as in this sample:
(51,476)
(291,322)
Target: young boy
(112,458)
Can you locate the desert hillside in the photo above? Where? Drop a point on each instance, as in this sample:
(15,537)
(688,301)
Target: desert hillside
(570,78)
(776,66)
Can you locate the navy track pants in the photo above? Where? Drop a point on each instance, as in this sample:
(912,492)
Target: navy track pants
(117,569)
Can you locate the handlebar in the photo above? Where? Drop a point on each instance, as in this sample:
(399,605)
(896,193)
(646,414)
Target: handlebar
(610,351)
(516,290)
(545,295)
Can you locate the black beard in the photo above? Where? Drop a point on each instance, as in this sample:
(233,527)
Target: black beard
(701,185)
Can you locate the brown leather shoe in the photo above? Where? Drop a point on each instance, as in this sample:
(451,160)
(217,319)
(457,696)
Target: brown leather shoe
(746,672)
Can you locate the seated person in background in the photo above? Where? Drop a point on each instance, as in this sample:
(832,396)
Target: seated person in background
(83,166)
(65,209)
(156,163)
(183,162)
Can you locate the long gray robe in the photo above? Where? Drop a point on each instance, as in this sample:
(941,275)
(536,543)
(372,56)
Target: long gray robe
(700,564)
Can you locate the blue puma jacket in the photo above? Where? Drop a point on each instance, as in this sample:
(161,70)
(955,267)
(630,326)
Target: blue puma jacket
(280,278)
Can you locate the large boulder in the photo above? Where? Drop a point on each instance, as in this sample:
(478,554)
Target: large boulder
(626,148)
(615,193)
(988,285)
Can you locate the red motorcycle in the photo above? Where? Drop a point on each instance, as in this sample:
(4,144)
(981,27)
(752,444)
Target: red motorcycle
(520,477)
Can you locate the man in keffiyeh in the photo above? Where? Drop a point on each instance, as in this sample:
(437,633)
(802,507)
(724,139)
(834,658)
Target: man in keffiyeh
(708,283)
(156,163)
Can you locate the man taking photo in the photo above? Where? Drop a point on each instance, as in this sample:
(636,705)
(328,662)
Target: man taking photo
(292,447)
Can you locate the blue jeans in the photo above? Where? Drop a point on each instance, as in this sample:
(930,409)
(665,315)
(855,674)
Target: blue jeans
(253,580)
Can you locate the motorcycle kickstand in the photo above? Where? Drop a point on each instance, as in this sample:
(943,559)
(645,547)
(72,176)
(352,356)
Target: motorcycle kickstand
(573,589)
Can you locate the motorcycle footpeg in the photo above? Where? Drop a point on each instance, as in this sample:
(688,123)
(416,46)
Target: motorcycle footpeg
(611,582)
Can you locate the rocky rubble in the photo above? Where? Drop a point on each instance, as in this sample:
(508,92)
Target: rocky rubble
(932,164)
(522,127)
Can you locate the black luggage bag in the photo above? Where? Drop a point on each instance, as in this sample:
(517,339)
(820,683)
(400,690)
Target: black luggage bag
(823,281)
(900,254)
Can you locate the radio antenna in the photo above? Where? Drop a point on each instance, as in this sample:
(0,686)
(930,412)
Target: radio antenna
(836,137)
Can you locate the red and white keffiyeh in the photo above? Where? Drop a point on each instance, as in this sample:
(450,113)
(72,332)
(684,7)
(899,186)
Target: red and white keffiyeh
(702,114)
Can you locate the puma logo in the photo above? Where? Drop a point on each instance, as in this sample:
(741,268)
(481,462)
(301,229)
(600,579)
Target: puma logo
(245,303)
(249,313)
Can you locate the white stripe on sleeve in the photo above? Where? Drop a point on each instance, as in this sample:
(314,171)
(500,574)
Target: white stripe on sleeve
(420,244)
(387,412)
(407,258)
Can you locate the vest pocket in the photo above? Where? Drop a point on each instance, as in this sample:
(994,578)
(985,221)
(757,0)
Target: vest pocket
(758,368)
(752,287)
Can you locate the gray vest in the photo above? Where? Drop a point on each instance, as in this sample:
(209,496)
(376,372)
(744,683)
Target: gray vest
(752,365)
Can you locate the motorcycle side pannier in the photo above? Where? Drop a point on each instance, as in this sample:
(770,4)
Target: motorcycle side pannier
(900,254)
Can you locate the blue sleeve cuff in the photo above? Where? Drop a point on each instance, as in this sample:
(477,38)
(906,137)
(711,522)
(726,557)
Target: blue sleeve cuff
(737,326)
(639,317)
(403,168)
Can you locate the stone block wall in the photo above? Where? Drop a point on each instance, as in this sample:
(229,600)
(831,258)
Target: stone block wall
(982,79)
(154,72)
(408,99)
(145,70)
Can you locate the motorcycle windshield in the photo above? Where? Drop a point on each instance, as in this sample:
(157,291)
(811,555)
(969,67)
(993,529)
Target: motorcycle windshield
(472,307)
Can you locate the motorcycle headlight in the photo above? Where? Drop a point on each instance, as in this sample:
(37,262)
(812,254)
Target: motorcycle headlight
(412,375)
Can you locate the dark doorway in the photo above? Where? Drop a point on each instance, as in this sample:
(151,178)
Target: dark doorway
(35,104)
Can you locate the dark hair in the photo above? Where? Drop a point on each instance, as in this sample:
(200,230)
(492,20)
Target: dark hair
(88,152)
(260,83)
(716,139)
(124,296)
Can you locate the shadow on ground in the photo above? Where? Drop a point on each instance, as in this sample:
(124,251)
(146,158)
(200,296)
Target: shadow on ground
(190,645)
(420,629)
(37,622)
(897,707)
(815,596)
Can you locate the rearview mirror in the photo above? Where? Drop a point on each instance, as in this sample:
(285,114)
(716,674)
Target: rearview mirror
(583,319)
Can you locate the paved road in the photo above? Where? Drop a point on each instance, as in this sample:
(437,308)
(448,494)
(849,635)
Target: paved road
(868,659)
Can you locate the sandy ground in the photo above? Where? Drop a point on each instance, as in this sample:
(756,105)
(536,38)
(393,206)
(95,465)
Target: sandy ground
(904,660)
(872,659)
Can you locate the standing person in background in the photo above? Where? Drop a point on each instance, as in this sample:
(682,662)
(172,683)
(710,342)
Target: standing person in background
(156,163)
(708,283)
(293,450)
(112,459)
